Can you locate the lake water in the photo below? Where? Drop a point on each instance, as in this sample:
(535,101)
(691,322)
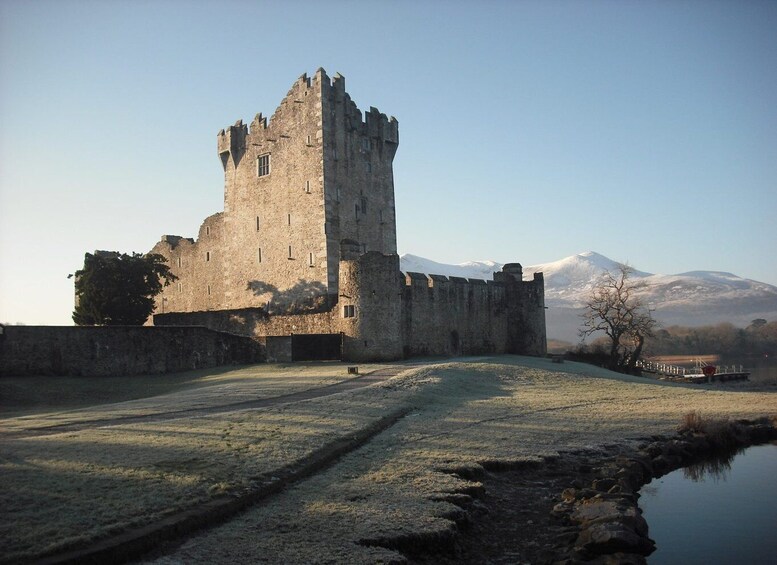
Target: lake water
(716,513)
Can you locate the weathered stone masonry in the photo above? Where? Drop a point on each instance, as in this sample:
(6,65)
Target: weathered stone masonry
(306,244)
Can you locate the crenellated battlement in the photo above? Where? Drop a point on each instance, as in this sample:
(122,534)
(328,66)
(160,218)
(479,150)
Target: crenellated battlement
(232,141)
(263,133)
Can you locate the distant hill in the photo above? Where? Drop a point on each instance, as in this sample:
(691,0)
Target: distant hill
(694,298)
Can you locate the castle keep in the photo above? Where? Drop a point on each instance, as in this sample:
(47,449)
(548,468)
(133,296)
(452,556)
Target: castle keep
(304,254)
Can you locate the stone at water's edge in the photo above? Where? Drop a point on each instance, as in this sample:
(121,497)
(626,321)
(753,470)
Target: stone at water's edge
(611,526)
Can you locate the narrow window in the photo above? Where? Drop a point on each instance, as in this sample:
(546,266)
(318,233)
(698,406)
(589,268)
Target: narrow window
(180,287)
(308,140)
(288,218)
(380,216)
(290,254)
(307,186)
(337,193)
(369,167)
(349,311)
(366,144)
(310,259)
(207,255)
(179,261)
(207,230)
(257,223)
(263,165)
(364,205)
(208,290)
(259,255)
(356,211)
(334,153)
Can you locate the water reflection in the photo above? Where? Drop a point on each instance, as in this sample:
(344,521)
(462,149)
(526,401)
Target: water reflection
(722,510)
(717,468)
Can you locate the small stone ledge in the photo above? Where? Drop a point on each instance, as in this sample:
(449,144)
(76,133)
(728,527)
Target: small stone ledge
(607,518)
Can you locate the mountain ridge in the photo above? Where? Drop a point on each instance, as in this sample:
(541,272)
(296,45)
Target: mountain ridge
(692,298)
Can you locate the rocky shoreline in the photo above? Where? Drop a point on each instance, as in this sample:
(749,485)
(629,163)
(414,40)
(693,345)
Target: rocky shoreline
(579,507)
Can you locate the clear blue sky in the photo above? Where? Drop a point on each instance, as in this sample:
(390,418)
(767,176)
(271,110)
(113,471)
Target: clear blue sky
(529,131)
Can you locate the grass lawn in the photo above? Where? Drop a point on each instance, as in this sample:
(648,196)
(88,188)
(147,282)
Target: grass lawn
(74,486)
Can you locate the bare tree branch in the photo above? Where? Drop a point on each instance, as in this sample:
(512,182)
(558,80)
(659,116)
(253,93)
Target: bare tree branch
(615,310)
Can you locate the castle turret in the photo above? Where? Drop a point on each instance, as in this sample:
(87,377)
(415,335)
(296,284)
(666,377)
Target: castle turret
(370,302)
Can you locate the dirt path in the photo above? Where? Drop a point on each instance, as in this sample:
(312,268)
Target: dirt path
(360,381)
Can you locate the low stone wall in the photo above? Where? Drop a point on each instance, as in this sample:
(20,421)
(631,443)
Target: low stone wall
(120,350)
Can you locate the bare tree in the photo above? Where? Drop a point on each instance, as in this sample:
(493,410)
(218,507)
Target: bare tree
(615,310)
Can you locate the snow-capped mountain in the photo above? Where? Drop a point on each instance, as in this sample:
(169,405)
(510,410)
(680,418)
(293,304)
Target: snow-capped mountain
(690,299)
(471,270)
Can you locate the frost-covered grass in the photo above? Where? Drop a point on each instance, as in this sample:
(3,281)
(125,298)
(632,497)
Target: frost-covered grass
(80,485)
(30,402)
(505,409)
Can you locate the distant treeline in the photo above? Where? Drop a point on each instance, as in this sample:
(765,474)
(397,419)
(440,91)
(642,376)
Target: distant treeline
(758,339)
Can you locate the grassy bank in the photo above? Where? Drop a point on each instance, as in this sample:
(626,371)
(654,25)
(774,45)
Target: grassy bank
(80,485)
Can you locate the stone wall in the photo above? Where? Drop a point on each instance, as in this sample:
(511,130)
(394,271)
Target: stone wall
(384,314)
(119,350)
(453,316)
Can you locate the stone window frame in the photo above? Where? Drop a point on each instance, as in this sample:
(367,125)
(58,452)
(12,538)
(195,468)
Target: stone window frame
(263,165)
(349,311)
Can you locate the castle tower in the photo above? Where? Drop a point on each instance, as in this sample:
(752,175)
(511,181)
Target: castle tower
(318,172)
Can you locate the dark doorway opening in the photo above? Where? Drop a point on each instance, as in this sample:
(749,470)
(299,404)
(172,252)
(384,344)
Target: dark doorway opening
(316,347)
(455,343)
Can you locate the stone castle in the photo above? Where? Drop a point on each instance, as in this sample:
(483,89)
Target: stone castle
(304,255)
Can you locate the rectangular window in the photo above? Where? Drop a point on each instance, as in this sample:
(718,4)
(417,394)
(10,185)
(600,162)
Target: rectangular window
(207,255)
(310,259)
(257,223)
(356,211)
(369,167)
(349,311)
(208,290)
(259,255)
(334,153)
(308,140)
(337,193)
(291,256)
(207,230)
(179,261)
(366,144)
(263,165)
(380,216)
(180,287)
(288,218)
(307,186)
(364,205)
